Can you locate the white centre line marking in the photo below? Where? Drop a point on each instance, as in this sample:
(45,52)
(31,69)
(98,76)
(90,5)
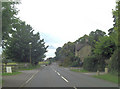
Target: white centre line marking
(58,73)
(31,77)
(61,76)
(28,80)
(74,87)
(64,79)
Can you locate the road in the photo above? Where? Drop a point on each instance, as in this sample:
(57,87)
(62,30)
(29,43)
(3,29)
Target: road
(55,76)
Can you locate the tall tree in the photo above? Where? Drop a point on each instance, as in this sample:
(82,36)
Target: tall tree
(94,36)
(9,12)
(105,47)
(66,54)
(57,53)
(18,47)
(115,36)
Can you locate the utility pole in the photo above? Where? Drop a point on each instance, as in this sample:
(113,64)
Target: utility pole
(30,51)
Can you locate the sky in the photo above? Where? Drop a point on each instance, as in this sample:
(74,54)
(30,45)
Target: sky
(60,21)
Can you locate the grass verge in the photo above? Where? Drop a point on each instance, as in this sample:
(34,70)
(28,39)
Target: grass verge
(41,63)
(108,77)
(30,67)
(10,63)
(79,70)
(9,74)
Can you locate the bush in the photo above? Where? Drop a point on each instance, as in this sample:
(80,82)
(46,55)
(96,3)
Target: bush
(90,63)
(75,64)
(94,63)
(113,65)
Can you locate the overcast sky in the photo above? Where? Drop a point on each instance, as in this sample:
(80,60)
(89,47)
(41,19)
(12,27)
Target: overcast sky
(60,21)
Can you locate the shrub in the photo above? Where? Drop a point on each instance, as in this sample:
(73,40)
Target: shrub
(75,64)
(113,65)
(90,63)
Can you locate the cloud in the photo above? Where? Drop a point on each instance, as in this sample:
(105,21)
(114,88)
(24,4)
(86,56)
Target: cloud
(51,47)
(50,53)
(60,21)
(52,40)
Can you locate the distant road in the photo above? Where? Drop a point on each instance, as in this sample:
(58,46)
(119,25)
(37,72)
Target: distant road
(55,76)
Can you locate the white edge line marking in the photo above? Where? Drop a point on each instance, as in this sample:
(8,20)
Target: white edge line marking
(64,79)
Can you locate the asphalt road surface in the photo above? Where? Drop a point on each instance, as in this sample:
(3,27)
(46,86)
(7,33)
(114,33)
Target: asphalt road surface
(55,76)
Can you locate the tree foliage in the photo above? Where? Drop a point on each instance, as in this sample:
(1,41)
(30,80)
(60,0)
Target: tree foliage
(114,61)
(66,54)
(115,36)
(94,37)
(90,63)
(9,12)
(105,47)
(18,47)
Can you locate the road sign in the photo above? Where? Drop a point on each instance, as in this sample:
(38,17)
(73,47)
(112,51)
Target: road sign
(9,69)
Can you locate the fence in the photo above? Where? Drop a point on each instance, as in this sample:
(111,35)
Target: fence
(14,68)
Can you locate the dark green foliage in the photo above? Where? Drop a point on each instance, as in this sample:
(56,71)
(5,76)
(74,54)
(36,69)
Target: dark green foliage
(94,36)
(82,39)
(114,65)
(57,53)
(116,15)
(90,63)
(101,62)
(18,47)
(66,54)
(111,30)
(76,62)
(9,18)
(114,61)
(105,47)
(94,63)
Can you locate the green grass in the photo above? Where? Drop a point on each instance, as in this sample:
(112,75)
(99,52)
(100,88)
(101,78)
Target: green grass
(79,70)
(9,74)
(21,66)
(108,77)
(30,67)
(47,62)
(10,63)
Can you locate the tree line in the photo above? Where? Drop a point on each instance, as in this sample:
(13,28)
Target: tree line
(105,48)
(19,42)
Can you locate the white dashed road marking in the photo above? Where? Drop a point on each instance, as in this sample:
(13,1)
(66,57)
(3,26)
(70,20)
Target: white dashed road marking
(74,87)
(58,73)
(61,76)
(64,79)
